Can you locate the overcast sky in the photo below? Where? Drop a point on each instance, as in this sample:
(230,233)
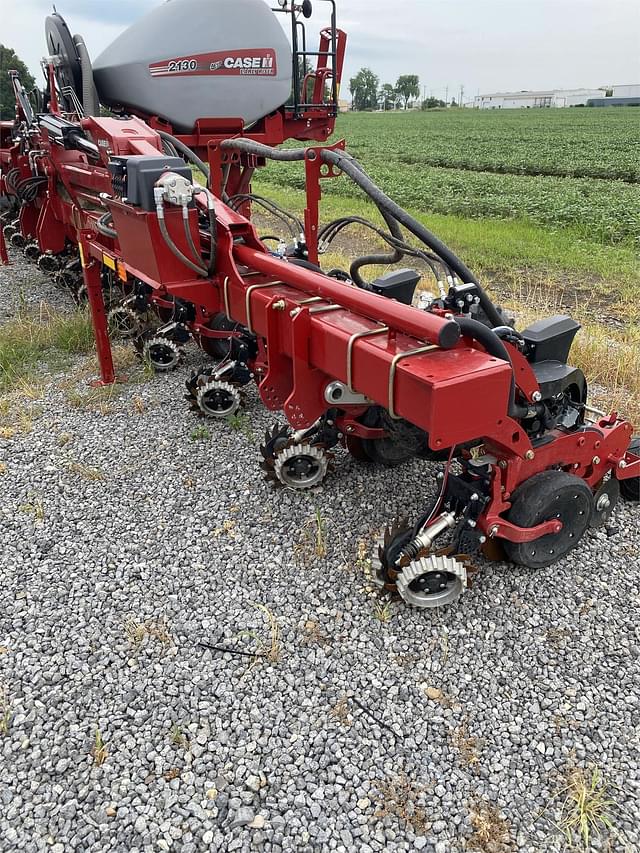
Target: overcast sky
(485,45)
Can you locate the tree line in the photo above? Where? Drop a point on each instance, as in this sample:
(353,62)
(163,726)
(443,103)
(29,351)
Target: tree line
(368,94)
(9,61)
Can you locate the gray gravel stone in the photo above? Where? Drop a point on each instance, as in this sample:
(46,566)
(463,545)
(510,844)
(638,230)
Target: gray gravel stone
(175,545)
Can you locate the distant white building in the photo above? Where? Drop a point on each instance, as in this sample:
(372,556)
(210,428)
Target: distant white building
(631,90)
(548,98)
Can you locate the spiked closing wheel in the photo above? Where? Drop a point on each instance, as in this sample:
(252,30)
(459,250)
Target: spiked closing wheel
(218,399)
(48,263)
(124,322)
(433,581)
(32,251)
(388,550)
(274,441)
(163,355)
(301,466)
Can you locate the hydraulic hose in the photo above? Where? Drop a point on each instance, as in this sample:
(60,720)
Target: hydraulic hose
(102,225)
(186,152)
(213,228)
(200,270)
(197,257)
(352,168)
(495,347)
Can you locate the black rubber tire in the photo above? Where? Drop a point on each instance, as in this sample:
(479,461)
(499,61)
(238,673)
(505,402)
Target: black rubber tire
(630,489)
(220,348)
(550,494)
(386,451)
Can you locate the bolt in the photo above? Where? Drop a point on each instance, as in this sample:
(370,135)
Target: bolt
(502,464)
(280,305)
(471,523)
(350,429)
(475,497)
(603,503)
(494,531)
(295,312)
(530,455)
(622,464)
(482,539)
(596,460)
(536,396)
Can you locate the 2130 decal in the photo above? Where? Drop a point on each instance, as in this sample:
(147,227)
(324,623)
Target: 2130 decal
(255,62)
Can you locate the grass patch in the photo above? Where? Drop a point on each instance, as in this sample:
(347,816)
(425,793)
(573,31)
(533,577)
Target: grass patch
(313,541)
(97,399)
(151,630)
(178,737)
(403,799)
(47,336)
(467,746)
(269,646)
(382,612)
(200,433)
(85,471)
(587,808)
(313,635)
(491,831)
(34,507)
(340,711)
(241,423)
(99,751)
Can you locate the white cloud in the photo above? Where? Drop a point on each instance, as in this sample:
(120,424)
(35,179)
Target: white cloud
(489,45)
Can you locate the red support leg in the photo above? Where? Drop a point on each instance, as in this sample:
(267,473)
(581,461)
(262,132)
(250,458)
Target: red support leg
(93,282)
(4,257)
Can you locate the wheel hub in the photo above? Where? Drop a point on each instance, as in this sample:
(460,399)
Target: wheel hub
(218,399)
(433,581)
(301,466)
(162,353)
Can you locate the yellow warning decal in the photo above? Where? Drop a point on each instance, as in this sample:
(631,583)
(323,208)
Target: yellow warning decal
(108,261)
(81,250)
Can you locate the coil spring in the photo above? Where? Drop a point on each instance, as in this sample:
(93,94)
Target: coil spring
(412,550)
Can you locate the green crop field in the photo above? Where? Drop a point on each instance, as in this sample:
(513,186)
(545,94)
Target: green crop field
(565,168)
(543,205)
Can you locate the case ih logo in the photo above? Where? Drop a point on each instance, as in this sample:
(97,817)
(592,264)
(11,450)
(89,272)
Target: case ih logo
(254,62)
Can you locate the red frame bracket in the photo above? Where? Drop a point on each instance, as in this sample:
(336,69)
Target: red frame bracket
(317,171)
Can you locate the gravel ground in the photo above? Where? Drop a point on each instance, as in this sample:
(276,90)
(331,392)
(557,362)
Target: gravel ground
(126,544)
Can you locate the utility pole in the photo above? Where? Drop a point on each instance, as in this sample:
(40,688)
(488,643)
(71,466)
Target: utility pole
(446,96)
(461,104)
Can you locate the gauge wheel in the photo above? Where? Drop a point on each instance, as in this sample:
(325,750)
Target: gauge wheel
(546,496)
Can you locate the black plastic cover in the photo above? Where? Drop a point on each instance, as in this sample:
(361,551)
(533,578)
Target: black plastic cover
(134,178)
(551,339)
(400,285)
